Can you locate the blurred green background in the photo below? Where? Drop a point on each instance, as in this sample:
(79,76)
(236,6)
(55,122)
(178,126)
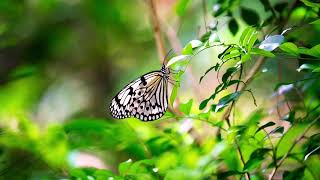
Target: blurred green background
(62,61)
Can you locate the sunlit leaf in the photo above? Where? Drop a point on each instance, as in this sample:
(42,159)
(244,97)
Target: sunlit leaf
(186,108)
(124,167)
(290,48)
(262,52)
(181,7)
(173,95)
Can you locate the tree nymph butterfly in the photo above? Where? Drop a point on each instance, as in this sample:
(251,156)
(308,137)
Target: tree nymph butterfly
(145,98)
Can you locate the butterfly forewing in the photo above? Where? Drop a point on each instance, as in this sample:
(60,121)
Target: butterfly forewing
(144,98)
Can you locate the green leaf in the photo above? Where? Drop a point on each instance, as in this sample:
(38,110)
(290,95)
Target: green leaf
(315,51)
(290,48)
(268,124)
(186,108)
(253,38)
(266,4)
(181,7)
(262,52)
(256,159)
(249,16)
(290,117)
(245,58)
(311,4)
(124,167)
(187,50)
(223,102)
(228,73)
(231,55)
(173,95)
(233,26)
(278,129)
(246,34)
(224,175)
(295,174)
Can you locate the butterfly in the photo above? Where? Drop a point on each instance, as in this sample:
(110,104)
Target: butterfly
(145,98)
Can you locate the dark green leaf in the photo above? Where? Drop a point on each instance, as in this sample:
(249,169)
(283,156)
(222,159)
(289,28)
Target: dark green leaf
(266,4)
(231,55)
(249,16)
(228,73)
(233,26)
(256,159)
(268,124)
(205,37)
(278,129)
(290,117)
(295,174)
(186,108)
(223,102)
(224,175)
(224,52)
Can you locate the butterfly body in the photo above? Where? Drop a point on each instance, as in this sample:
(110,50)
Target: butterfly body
(145,98)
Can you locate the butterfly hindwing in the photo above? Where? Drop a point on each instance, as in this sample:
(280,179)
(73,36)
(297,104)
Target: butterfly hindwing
(144,98)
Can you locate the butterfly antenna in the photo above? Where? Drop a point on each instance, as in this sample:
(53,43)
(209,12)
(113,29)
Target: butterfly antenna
(167,55)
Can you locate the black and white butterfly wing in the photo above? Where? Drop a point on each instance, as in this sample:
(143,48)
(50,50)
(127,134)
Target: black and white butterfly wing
(145,98)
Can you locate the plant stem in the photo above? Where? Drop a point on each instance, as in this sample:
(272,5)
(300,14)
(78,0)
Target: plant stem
(297,140)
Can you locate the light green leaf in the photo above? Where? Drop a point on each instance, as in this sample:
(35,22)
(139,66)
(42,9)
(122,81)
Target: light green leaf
(262,52)
(173,95)
(181,7)
(124,167)
(245,58)
(186,108)
(290,48)
(187,50)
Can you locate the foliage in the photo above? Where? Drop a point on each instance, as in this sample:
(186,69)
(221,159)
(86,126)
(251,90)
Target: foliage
(53,124)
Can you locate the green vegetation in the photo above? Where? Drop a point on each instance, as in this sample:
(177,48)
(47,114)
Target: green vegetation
(246,104)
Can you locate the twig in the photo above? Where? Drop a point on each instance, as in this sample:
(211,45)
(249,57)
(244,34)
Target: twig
(296,141)
(157,30)
(247,81)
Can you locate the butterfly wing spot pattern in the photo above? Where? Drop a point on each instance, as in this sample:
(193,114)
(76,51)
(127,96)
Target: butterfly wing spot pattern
(145,98)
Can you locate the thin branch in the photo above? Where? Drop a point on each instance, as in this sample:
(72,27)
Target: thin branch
(296,141)
(157,30)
